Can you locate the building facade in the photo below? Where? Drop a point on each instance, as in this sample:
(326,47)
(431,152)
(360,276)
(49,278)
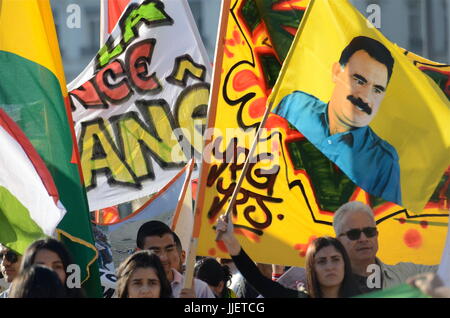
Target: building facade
(420,26)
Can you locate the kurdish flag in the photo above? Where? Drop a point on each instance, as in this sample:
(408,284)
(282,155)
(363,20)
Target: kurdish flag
(33,93)
(29,204)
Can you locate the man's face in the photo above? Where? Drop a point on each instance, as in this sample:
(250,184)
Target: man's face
(363,249)
(359,91)
(9,268)
(166,249)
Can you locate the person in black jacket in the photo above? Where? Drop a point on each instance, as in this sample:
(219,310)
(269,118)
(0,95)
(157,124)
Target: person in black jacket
(217,276)
(328,268)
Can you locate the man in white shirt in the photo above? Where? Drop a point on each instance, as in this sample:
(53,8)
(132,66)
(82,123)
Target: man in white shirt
(159,238)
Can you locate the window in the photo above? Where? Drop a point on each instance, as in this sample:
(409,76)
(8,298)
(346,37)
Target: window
(92,23)
(437,29)
(415,42)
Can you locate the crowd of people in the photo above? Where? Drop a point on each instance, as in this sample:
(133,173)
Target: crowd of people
(334,267)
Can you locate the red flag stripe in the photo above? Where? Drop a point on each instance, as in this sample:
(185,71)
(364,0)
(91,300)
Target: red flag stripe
(15,132)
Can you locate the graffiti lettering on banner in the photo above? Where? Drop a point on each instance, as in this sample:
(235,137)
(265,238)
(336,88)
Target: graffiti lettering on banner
(140,106)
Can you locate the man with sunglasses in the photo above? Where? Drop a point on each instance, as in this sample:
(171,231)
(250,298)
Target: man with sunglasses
(355,227)
(9,266)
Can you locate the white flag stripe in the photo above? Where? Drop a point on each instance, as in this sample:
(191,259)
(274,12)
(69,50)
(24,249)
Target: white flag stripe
(19,176)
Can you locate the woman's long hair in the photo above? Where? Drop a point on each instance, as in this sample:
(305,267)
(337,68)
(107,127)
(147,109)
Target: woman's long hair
(348,287)
(56,247)
(37,281)
(142,259)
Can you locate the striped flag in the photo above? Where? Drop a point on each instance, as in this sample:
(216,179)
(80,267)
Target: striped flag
(33,93)
(29,204)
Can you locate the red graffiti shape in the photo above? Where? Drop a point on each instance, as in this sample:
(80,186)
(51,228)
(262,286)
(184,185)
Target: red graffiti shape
(221,246)
(212,251)
(304,247)
(412,238)
(236,36)
(257,107)
(424,224)
(245,79)
(250,235)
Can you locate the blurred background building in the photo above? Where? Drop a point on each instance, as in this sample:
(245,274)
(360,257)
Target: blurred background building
(421,26)
(79,45)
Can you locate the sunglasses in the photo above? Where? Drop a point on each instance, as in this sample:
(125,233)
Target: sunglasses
(10,256)
(355,234)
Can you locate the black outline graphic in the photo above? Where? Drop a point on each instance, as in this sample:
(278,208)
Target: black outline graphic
(186,71)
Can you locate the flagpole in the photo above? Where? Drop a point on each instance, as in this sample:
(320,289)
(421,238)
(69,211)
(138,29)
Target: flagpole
(215,88)
(262,124)
(103,21)
(245,168)
(176,216)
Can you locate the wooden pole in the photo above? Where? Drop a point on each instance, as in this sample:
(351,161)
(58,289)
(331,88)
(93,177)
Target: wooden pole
(221,35)
(245,168)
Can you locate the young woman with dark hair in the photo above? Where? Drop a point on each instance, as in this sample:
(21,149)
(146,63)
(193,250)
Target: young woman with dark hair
(53,254)
(142,275)
(37,281)
(328,268)
(217,276)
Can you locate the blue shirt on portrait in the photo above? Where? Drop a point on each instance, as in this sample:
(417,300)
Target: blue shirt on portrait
(369,161)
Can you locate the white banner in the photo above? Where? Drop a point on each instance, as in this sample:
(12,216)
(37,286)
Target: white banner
(140,106)
(163,206)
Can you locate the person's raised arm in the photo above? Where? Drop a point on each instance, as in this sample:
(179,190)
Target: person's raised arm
(265,286)
(228,238)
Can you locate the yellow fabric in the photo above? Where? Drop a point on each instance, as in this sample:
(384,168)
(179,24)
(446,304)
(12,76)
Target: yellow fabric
(297,219)
(415,123)
(27,29)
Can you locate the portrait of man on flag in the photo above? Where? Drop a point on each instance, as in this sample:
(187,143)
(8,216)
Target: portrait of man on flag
(340,128)
(364,105)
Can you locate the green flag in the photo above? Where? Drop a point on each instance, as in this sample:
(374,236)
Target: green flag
(33,92)
(400,291)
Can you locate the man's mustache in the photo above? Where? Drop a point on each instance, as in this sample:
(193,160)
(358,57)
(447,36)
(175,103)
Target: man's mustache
(360,103)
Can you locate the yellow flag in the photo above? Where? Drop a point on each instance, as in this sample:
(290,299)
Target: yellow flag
(285,202)
(365,106)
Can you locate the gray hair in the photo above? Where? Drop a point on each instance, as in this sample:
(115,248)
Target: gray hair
(347,208)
